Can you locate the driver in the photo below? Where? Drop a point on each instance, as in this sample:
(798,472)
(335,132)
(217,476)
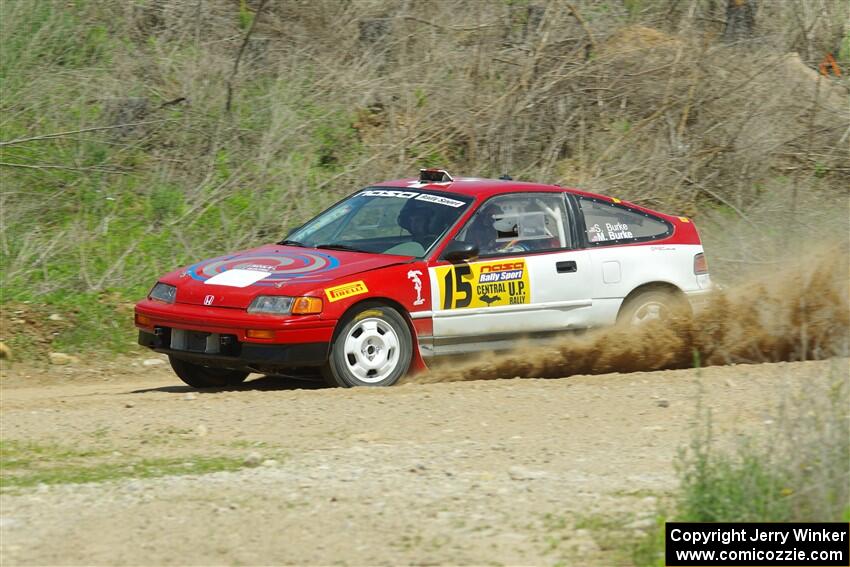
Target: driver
(481,231)
(491,231)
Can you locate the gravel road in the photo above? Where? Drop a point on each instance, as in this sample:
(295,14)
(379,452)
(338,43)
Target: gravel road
(489,472)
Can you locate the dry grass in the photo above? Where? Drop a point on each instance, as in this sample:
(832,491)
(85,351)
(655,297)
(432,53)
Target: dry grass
(119,159)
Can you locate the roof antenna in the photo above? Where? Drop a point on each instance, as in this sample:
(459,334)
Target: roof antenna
(506,177)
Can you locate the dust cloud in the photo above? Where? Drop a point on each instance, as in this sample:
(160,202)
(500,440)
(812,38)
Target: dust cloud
(798,312)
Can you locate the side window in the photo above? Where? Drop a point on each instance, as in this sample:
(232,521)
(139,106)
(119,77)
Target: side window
(609,223)
(509,224)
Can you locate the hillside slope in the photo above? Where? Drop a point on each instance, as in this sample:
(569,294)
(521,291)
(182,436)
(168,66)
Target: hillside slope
(137,137)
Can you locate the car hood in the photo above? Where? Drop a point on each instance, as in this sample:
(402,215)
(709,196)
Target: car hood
(234,280)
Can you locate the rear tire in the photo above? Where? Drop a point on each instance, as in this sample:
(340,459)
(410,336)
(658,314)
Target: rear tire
(651,305)
(199,376)
(372,348)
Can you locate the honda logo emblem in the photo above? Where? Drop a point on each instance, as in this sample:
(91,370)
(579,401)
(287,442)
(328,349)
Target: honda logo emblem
(209,299)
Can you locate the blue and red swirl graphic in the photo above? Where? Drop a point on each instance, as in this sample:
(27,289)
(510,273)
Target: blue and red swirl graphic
(280,267)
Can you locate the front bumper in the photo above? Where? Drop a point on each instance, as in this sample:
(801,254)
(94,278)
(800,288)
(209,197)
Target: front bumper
(217,337)
(242,356)
(290,329)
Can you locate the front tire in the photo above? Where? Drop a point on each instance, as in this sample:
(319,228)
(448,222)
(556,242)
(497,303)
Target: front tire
(199,376)
(373,348)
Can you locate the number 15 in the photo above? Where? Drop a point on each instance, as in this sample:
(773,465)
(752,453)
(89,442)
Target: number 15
(455,284)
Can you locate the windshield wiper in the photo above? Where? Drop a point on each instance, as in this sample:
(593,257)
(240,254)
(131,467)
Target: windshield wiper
(291,243)
(335,246)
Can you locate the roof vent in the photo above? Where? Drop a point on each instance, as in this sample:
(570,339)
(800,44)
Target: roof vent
(434,176)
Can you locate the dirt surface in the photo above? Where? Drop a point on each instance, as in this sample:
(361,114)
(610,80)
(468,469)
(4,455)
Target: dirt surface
(479,472)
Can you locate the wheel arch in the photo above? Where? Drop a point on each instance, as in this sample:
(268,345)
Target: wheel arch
(417,364)
(665,287)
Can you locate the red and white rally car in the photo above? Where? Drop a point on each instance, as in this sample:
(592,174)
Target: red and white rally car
(416,268)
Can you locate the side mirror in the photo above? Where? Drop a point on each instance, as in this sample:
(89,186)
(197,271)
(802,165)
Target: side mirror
(458,251)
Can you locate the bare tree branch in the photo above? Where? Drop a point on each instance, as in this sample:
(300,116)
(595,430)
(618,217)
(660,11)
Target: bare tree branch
(583,25)
(66,167)
(70,132)
(450,28)
(239,55)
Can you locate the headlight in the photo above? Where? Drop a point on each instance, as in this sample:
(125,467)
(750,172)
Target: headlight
(277,304)
(163,292)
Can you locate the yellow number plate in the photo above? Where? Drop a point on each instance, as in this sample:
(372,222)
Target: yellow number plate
(484,284)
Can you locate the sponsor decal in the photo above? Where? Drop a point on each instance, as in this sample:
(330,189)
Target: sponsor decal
(413,275)
(389,193)
(484,284)
(346,290)
(208,300)
(439,200)
(684,219)
(368,313)
(413,195)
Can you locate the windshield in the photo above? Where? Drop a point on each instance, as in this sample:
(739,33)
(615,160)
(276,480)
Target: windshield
(383,220)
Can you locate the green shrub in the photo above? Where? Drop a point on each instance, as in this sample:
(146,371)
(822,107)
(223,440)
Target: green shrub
(797,471)
(741,487)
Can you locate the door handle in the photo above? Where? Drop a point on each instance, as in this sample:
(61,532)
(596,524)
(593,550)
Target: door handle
(566,267)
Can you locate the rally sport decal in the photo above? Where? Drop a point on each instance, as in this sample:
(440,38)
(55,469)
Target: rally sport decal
(272,268)
(483,284)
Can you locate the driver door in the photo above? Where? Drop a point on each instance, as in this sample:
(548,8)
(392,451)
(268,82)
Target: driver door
(528,279)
